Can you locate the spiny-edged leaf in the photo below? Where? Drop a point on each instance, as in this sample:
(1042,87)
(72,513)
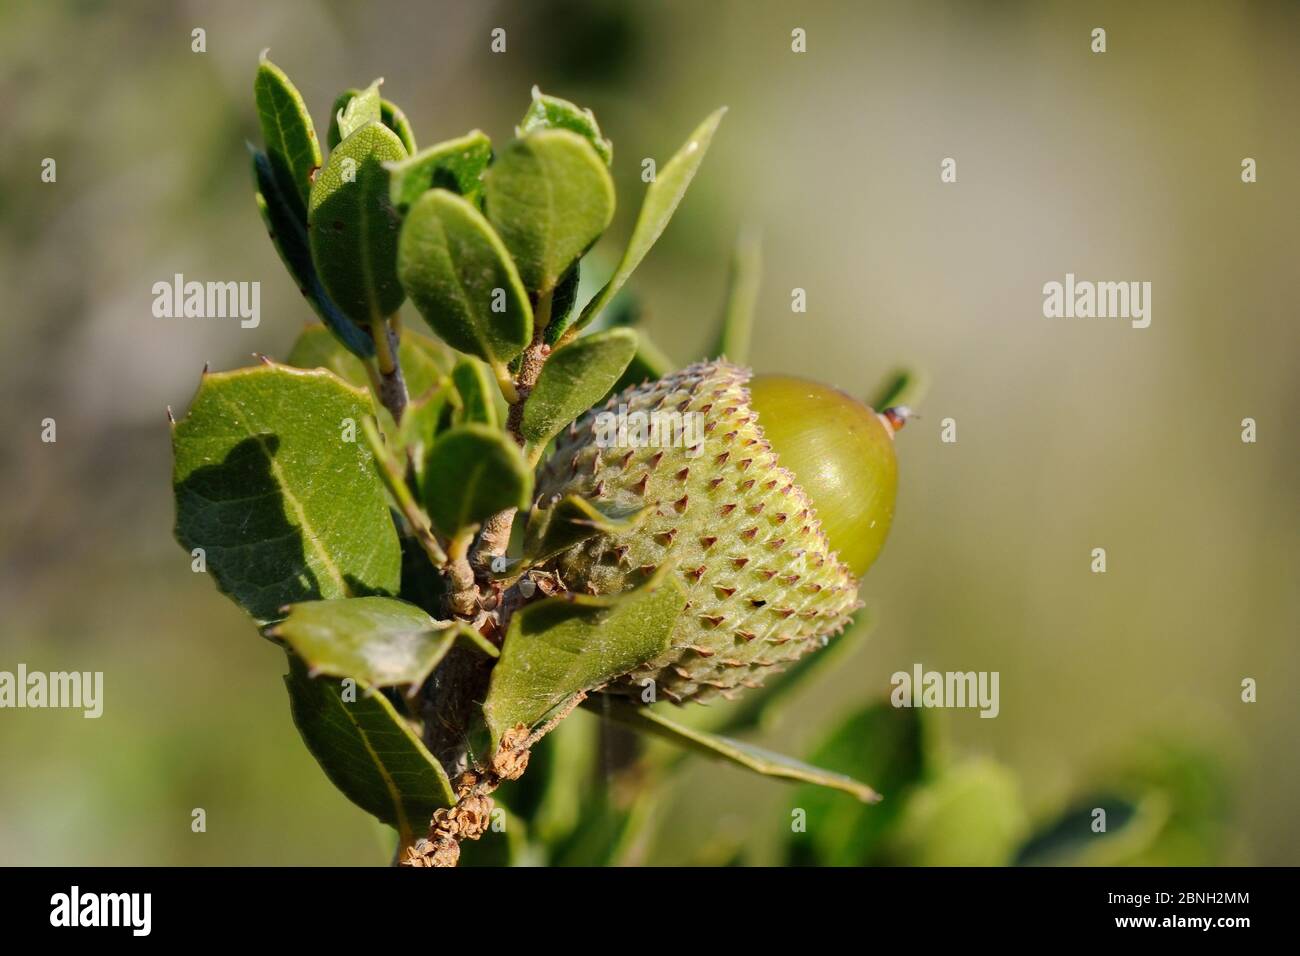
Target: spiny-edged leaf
(573,379)
(284,508)
(425,361)
(661,199)
(549,197)
(551,112)
(456,165)
(461,278)
(881,743)
(560,647)
(474,386)
(737,321)
(563,301)
(380,641)
(287,132)
(471,473)
(353,226)
(572,520)
(757,759)
(367,749)
(288,231)
(353,110)
(389,114)
(905,386)
(971,815)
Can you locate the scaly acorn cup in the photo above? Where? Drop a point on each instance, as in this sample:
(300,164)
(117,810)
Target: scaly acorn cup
(770,519)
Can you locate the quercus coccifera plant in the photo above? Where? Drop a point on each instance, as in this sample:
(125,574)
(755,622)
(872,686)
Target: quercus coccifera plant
(446,535)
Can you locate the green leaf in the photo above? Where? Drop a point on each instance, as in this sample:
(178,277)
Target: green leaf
(425,419)
(423,352)
(560,647)
(287,228)
(473,472)
(661,199)
(389,114)
(456,165)
(288,133)
(425,362)
(284,508)
(761,761)
(367,750)
(881,743)
(573,379)
(356,110)
(563,301)
(353,227)
(906,386)
(549,197)
(970,816)
(315,347)
(551,112)
(382,642)
(461,278)
(474,386)
(571,521)
(742,295)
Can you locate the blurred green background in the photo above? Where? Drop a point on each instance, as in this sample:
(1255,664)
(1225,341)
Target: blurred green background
(1071,434)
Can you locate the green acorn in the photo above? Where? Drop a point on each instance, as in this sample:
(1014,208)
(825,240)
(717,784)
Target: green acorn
(769,514)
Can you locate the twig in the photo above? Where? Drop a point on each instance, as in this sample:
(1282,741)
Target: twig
(469,818)
(392,386)
(494,539)
(464,597)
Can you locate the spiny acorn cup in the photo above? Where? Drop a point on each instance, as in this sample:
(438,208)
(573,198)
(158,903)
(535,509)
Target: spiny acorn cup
(769,519)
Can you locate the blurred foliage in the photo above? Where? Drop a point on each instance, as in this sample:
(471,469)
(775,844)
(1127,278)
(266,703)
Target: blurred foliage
(1165,804)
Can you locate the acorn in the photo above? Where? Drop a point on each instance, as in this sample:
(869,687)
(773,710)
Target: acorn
(769,517)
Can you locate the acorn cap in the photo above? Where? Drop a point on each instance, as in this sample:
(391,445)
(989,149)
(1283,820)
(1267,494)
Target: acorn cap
(764,585)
